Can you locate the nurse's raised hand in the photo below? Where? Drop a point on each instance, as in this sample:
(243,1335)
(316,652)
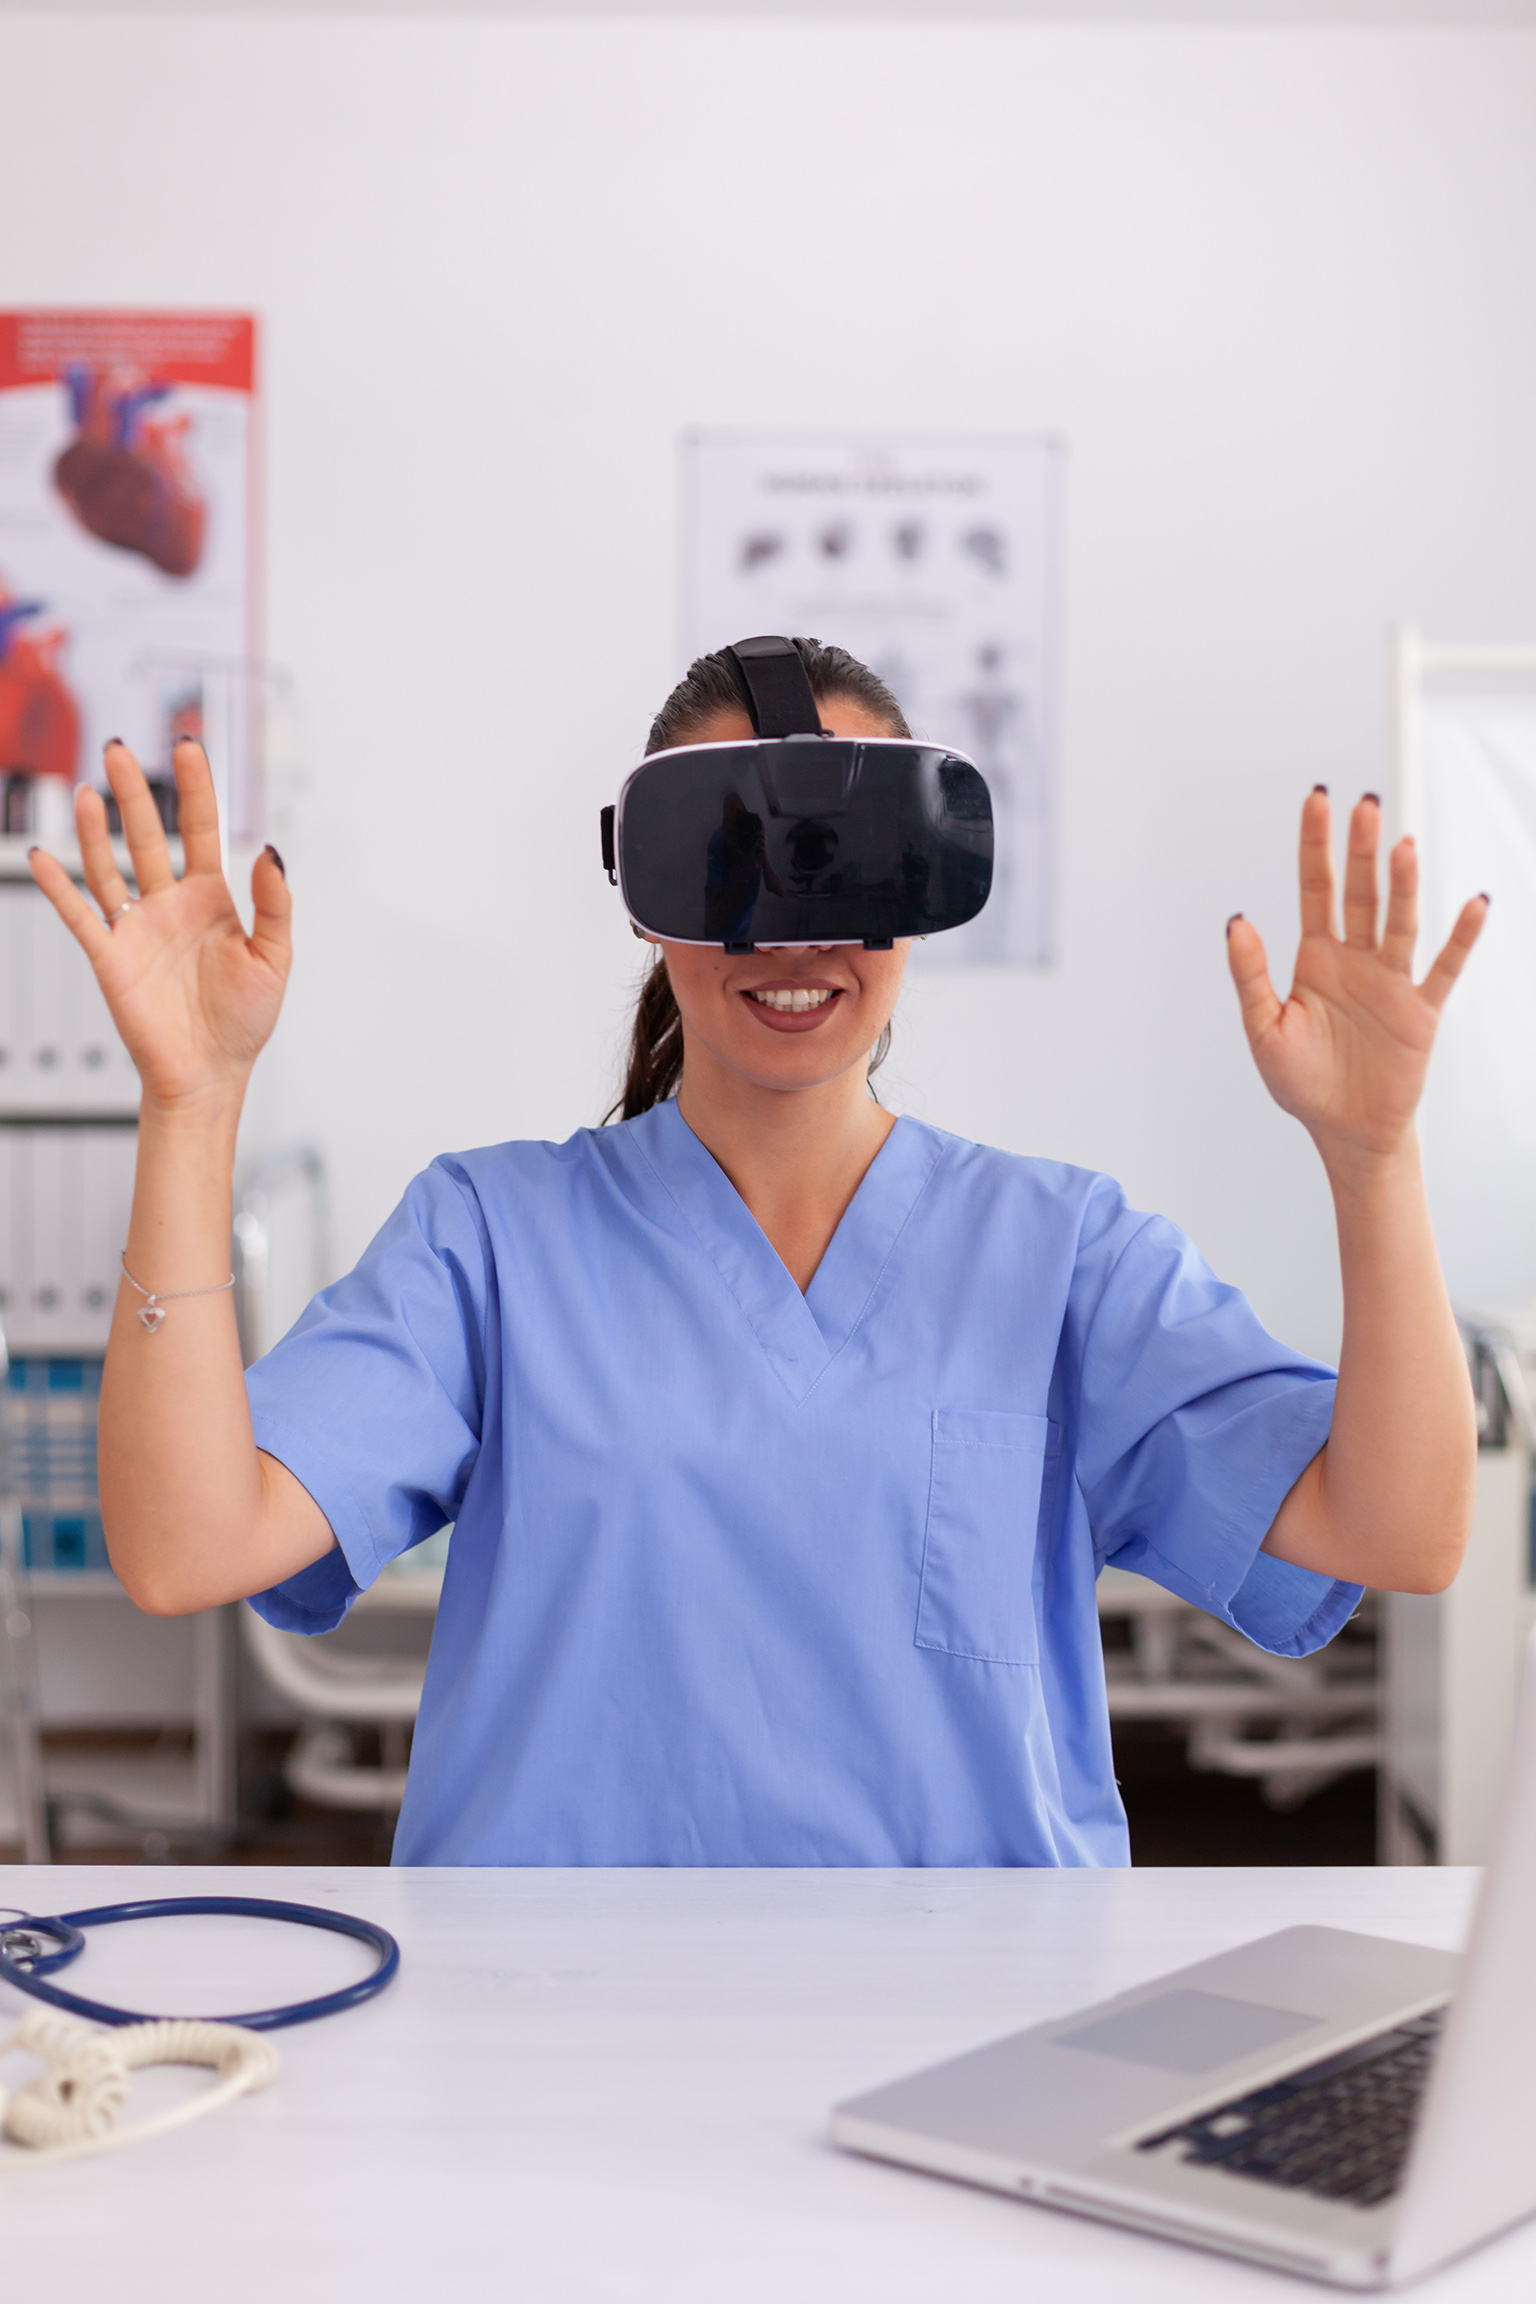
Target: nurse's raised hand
(1346,1053)
(194,1514)
(193,996)
(1388,1501)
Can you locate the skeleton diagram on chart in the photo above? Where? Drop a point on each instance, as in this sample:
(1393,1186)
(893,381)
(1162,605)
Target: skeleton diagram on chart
(934,561)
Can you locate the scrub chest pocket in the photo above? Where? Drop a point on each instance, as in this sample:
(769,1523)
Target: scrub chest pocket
(976,1597)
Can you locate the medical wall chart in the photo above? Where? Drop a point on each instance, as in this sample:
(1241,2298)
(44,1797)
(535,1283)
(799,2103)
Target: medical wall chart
(936,561)
(128,539)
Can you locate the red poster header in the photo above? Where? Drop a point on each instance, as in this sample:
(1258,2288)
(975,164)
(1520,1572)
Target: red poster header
(173,347)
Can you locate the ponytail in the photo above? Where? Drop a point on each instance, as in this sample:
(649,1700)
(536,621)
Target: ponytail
(655,1046)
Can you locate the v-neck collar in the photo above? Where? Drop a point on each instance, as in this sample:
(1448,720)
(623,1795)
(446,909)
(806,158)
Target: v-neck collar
(801,1334)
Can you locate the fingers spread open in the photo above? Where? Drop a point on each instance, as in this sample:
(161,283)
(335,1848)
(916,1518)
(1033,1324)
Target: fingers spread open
(1450,962)
(274,910)
(1402,928)
(198,810)
(1316,865)
(102,876)
(89,932)
(142,828)
(1250,973)
(1360,893)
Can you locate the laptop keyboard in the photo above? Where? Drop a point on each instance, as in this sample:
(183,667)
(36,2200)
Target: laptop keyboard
(1339,2129)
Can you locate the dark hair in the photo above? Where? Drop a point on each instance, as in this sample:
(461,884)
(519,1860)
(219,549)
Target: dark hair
(711,685)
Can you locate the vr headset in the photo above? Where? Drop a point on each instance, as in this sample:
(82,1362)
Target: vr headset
(798,837)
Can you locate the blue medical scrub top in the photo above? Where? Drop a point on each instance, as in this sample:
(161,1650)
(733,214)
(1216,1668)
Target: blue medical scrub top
(741,1576)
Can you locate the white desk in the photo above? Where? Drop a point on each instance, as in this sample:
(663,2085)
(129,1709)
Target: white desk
(601,2087)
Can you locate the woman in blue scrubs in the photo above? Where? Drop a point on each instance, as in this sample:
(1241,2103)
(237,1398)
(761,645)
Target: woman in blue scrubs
(783,1440)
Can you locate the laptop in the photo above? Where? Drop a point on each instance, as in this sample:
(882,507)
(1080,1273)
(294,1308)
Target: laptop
(1321,2102)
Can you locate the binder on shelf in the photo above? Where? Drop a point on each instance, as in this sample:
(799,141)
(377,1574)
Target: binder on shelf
(65,1196)
(107,1157)
(50,1408)
(15,957)
(59,1051)
(11,1219)
(50,1168)
(47,987)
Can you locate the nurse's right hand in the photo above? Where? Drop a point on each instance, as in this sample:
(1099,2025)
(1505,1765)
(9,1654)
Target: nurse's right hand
(193,996)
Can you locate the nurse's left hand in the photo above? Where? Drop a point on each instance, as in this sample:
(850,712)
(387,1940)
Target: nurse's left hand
(1347,1052)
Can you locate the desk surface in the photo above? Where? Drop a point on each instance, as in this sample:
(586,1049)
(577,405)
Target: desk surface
(613,2086)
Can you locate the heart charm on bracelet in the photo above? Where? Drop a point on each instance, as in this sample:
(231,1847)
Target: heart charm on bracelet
(152,1310)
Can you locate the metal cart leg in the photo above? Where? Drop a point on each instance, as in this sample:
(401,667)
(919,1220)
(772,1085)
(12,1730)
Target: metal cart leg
(18,1668)
(214,1705)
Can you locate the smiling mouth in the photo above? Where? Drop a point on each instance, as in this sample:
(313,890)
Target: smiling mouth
(792,1003)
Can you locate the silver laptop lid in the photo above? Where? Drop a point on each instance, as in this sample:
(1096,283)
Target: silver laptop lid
(1472,2169)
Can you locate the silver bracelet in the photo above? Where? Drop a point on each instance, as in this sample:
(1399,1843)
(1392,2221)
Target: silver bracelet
(152,1310)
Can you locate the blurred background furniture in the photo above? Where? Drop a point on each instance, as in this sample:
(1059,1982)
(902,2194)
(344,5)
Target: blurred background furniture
(1292,1724)
(1466,791)
(23,1743)
(353,1680)
(122,1725)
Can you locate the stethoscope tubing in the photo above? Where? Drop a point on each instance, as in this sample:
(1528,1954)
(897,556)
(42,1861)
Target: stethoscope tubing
(66,1930)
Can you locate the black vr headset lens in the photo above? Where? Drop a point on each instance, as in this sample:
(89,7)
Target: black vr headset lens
(803,840)
(799,837)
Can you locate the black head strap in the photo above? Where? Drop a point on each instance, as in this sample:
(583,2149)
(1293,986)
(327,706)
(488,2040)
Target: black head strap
(778,690)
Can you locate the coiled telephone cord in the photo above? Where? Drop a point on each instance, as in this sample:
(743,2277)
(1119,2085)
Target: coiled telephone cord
(72,2109)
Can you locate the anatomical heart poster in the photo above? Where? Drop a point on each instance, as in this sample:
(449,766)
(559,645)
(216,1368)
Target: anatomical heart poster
(933,560)
(128,537)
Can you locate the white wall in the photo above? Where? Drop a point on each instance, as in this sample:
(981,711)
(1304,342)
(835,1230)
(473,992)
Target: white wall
(1277,287)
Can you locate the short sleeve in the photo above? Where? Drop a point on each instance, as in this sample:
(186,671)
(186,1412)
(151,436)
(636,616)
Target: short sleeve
(375,1398)
(1194,1426)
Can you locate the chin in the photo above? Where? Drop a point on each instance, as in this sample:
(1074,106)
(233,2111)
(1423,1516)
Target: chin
(803,1073)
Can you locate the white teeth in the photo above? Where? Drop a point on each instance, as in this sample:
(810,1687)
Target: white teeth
(791,1003)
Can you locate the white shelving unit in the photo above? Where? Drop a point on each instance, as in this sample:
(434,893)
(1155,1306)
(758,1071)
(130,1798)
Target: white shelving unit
(68,1112)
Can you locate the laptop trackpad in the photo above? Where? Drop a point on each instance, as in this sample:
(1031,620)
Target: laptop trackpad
(1188,2031)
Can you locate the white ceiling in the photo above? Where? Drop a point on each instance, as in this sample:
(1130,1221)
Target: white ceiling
(1299,12)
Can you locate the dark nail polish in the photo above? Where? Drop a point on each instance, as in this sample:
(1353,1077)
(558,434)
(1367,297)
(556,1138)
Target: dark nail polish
(111,740)
(1321,788)
(1487,899)
(33,851)
(1373,797)
(1232,923)
(277,860)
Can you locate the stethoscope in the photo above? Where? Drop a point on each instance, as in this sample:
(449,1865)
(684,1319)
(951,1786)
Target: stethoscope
(26,1963)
